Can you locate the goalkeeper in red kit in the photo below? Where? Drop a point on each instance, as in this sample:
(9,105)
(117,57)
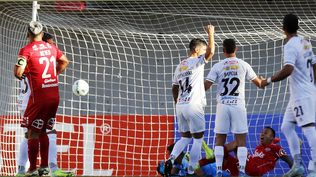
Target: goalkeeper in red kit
(40,63)
(263,160)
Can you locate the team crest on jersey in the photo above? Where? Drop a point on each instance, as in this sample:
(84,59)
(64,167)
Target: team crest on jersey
(34,47)
(184,66)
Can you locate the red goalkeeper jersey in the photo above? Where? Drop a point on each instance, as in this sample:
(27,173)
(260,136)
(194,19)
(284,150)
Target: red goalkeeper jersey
(263,160)
(41,72)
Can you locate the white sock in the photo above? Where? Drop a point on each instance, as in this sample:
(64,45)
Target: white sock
(310,134)
(195,154)
(179,147)
(219,157)
(52,153)
(242,158)
(23,156)
(288,129)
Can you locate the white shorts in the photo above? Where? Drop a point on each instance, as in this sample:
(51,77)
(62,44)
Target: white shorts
(231,118)
(301,111)
(190,118)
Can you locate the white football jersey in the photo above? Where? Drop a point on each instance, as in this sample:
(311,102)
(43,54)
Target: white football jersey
(25,92)
(230,75)
(298,53)
(189,75)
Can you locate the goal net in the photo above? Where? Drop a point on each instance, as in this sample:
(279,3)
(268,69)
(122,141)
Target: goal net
(127,51)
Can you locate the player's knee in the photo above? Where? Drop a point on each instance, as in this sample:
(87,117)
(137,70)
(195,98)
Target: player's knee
(198,135)
(32,134)
(186,134)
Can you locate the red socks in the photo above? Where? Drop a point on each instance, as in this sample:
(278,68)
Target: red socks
(44,146)
(33,145)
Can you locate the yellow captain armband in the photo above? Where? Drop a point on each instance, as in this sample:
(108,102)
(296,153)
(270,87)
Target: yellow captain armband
(21,62)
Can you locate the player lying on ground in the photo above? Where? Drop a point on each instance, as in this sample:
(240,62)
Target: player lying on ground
(265,156)
(181,162)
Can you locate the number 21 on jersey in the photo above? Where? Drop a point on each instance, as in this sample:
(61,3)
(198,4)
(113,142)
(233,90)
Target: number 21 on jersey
(47,62)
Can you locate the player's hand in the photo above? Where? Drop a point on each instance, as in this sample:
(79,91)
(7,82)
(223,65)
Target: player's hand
(210,29)
(264,82)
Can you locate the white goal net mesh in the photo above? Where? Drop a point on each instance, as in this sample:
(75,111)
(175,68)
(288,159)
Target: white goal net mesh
(127,51)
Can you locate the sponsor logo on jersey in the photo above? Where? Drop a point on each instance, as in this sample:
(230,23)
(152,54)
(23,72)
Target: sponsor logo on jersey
(49,85)
(258,154)
(184,68)
(232,67)
(231,62)
(49,80)
(185,74)
(230,73)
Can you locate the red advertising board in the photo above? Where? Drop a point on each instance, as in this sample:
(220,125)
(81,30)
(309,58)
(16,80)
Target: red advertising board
(99,145)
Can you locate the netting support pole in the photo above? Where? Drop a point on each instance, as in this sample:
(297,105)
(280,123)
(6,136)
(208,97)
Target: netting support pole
(34,10)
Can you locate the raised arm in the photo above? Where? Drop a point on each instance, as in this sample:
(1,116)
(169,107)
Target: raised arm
(62,64)
(210,51)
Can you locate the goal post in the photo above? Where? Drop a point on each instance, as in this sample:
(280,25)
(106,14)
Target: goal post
(35,7)
(127,51)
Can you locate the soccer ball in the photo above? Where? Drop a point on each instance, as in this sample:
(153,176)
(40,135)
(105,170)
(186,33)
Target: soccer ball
(80,87)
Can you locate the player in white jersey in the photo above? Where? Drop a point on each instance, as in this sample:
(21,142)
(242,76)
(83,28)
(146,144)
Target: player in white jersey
(22,104)
(189,96)
(231,114)
(299,66)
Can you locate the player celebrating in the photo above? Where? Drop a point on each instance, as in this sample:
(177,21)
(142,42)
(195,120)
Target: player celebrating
(231,115)
(299,66)
(265,156)
(37,61)
(189,96)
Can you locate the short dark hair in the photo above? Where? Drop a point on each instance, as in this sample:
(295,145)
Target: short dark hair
(272,130)
(196,42)
(229,46)
(47,36)
(290,23)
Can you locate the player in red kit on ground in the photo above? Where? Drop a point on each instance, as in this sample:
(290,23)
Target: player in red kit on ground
(41,63)
(265,156)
